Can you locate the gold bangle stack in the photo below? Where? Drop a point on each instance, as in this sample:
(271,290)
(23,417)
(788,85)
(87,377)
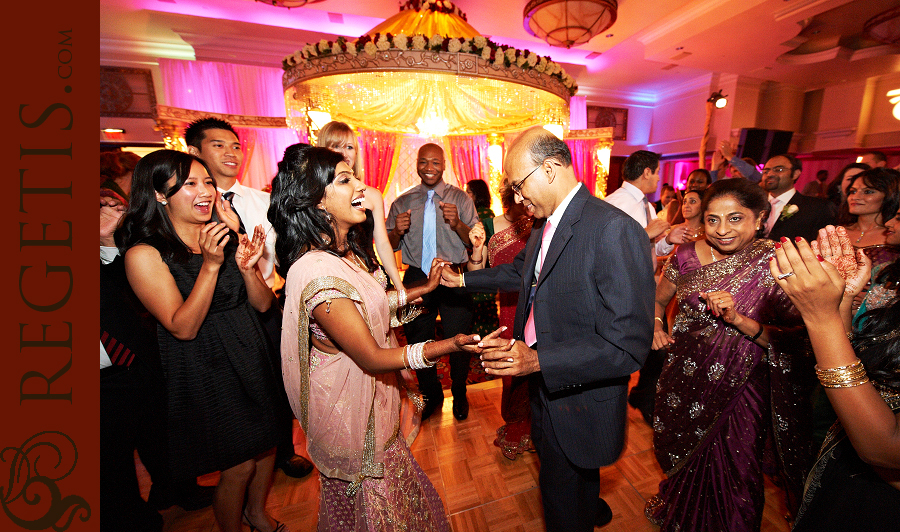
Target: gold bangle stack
(843,376)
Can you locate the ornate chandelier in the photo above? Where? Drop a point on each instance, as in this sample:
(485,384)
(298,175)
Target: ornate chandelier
(568,23)
(426,71)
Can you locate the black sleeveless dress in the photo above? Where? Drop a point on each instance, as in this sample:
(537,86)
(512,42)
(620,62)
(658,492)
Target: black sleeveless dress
(222,387)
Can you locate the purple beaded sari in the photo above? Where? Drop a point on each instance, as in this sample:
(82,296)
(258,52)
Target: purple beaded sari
(727,409)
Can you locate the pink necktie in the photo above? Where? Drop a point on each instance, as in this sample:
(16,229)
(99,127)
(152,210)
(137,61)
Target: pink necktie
(546,236)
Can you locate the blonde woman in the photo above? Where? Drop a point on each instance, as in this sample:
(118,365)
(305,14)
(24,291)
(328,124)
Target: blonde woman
(339,137)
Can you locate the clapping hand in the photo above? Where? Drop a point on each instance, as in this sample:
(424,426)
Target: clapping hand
(852,264)
(813,284)
(249,251)
(213,237)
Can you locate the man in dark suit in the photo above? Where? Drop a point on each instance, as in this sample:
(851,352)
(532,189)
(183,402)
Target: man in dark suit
(792,213)
(583,325)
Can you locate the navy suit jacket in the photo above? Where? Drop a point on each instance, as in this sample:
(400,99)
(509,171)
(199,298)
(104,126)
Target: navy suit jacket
(593,313)
(812,214)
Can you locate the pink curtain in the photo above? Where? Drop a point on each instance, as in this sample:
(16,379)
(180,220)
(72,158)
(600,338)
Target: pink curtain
(377,150)
(583,161)
(239,90)
(263,148)
(578,112)
(469,157)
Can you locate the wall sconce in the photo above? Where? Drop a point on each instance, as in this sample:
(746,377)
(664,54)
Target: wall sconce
(720,100)
(894,96)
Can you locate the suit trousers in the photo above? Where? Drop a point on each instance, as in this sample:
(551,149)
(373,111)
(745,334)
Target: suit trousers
(456,308)
(132,411)
(569,493)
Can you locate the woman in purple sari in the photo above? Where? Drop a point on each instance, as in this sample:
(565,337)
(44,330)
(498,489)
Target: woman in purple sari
(730,390)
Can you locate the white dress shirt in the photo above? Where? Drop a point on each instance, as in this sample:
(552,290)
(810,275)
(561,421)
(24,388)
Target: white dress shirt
(778,204)
(630,199)
(252,206)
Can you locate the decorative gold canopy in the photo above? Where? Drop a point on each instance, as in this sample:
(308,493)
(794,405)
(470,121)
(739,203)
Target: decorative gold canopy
(426,70)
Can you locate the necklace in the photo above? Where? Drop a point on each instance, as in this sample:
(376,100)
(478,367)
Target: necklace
(862,232)
(712,254)
(357,261)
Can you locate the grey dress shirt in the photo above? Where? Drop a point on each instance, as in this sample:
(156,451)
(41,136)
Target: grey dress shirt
(449,246)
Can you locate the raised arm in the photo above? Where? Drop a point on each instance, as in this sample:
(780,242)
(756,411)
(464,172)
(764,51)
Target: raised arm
(477,259)
(383,244)
(816,288)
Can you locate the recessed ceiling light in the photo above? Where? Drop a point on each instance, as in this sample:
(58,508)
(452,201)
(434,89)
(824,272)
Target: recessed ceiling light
(113,130)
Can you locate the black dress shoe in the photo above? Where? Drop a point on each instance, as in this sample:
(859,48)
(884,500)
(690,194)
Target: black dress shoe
(431,406)
(296,466)
(460,407)
(604,513)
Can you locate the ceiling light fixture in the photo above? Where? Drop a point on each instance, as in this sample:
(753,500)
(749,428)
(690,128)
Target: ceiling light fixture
(719,99)
(569,23)
(426,71)
(289,3)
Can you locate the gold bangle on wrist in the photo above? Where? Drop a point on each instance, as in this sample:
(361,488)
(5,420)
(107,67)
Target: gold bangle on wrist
(843,376)
(473,261)
(461,280)
(657,318)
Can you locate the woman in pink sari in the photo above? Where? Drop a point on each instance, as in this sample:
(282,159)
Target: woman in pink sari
(512,232)
(340,360)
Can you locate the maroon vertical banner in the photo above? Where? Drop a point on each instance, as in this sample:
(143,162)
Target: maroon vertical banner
(49,381)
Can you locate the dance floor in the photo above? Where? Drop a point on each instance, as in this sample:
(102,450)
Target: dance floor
(482,490)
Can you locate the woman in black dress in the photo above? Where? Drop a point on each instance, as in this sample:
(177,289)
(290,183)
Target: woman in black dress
(201,283)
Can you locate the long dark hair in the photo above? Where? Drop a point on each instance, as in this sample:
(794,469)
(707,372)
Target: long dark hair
(481,192)
(883,180)
(749,195)
(836,195)
(299,224)
(874,343)
(146,220)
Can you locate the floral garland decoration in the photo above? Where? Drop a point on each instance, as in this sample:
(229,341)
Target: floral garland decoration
(492,52)
(435,6)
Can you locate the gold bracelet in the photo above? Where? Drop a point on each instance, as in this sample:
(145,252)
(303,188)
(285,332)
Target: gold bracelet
(657,318)
(460,279)
(843,376)
(473,261)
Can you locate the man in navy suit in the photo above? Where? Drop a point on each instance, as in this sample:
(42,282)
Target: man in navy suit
(584,324)
(792,213)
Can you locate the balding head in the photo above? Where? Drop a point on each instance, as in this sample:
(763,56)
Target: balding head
(539,167)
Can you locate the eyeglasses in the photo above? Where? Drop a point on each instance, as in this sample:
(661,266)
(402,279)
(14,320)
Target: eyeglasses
(517,188)
(776,170)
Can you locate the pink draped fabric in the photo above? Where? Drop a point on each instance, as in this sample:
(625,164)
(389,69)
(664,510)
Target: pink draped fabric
(239,90)
(377,149)
(578,112)
(263,148)
(469,157)
(583,161)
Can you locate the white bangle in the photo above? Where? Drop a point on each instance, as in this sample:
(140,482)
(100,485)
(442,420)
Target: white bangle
(401,297)
(415,356)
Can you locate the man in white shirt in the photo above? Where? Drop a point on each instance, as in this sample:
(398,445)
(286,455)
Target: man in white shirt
(640,174)
(216,143)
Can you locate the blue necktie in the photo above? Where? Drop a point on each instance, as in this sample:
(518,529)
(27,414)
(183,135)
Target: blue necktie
(429,244)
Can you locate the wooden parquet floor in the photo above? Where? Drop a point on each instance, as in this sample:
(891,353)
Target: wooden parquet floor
(482,491)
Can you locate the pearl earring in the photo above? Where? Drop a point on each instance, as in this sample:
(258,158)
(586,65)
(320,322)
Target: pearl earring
(164,202)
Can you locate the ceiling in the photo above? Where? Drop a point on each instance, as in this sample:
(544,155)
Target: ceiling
(654,48)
